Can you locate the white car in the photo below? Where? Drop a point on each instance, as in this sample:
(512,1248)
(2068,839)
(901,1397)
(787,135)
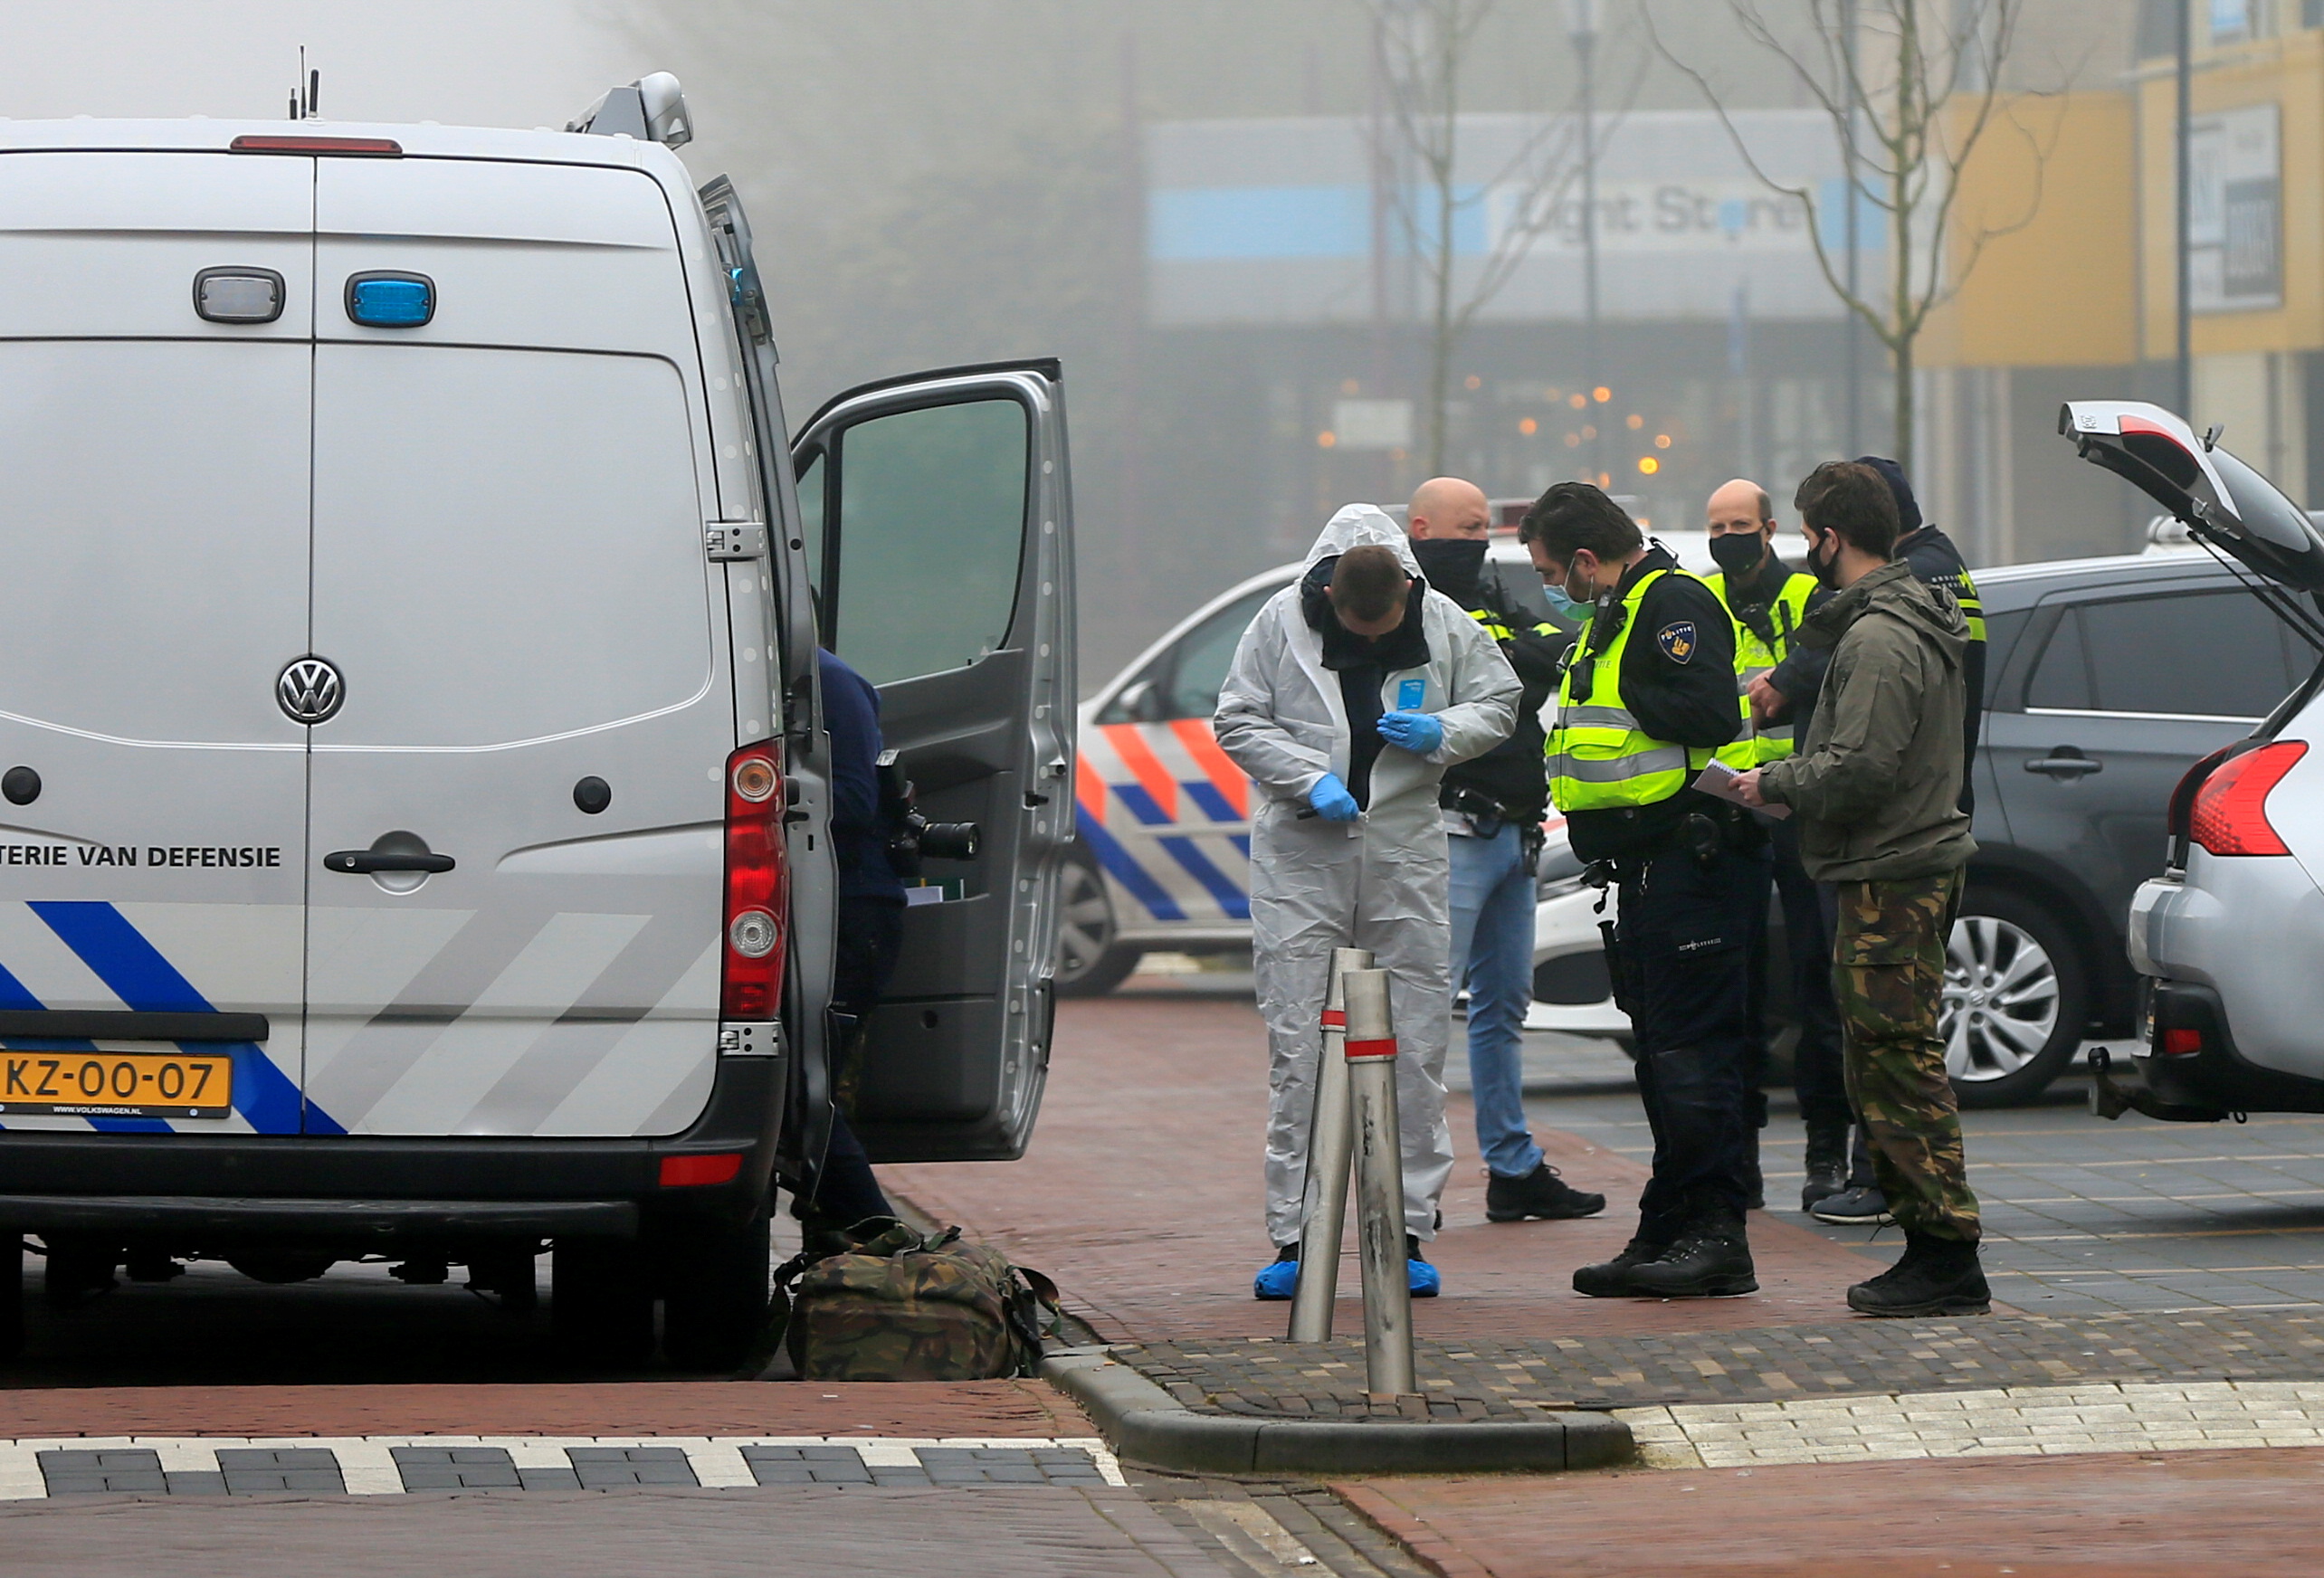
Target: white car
(2225,940)
(1162,861)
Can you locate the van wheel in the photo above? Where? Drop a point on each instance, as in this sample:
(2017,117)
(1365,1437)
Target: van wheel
(2016,999)
(12,1295)
(1090,962)
(715,1298)
(601,1304)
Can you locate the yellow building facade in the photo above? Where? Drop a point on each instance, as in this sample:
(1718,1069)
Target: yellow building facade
(2064,239)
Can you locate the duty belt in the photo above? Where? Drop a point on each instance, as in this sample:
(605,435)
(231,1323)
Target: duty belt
(1469,803)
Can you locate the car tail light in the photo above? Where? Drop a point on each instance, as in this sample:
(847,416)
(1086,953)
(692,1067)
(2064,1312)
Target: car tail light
(2229,816)
(2179,1043)
(757,886)
(694,1171)
(2181,809)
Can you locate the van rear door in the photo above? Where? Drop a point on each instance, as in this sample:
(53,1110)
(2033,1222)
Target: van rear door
(943,512)
(153,522)
(516,850)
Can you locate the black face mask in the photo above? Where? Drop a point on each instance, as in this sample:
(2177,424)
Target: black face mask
(1826,568)
(1738,553)
(1452,563)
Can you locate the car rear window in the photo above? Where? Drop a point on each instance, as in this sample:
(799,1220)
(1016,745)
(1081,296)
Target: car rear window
(2203,654)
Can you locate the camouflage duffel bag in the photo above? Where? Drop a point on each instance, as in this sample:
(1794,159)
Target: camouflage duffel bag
(904,1307)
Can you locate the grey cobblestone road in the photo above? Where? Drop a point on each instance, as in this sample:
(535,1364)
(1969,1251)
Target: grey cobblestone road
(2081,1215)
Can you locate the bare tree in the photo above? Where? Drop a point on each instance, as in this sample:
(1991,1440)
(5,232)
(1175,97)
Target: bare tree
(1423,47)
(1912,88)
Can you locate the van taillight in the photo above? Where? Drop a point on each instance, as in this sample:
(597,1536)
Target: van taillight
(757,886)
(2229,816)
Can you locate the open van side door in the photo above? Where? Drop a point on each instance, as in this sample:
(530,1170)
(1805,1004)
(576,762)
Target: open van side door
(943,511)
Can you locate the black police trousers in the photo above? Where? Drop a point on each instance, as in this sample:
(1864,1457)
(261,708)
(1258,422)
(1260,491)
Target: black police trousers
(871,935)
(1818,1075)
(1681,959)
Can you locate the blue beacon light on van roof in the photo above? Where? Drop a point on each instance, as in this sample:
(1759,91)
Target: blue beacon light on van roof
(385,300)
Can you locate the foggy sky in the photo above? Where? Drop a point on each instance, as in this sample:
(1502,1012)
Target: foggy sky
(475,62)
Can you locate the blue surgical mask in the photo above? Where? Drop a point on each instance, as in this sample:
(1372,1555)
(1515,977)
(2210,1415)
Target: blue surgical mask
(1563,606)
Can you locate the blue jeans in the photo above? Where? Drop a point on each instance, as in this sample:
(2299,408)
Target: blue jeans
(1492,953)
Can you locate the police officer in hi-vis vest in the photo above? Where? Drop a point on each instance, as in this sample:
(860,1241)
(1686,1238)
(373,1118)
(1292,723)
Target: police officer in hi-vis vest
(1648,697)
(1768,600)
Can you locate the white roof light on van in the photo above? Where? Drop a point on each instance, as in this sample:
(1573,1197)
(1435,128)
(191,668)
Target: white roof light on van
(238,295)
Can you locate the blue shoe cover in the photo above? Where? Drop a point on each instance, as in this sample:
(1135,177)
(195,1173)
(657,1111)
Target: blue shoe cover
(1420,1276)
(1276,1282)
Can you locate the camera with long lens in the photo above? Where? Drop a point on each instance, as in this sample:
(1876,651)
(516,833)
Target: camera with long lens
(912,838)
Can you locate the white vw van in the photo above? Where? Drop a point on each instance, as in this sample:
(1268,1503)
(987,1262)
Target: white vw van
(412,842)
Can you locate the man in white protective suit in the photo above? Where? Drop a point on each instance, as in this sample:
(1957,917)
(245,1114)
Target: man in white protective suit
(1350,695)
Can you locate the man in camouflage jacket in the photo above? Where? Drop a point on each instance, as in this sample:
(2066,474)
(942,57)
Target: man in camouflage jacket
(1877,787)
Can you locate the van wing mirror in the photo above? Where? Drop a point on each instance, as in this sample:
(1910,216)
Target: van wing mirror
(2224,503)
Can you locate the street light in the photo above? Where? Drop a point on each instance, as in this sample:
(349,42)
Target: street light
(1581,27)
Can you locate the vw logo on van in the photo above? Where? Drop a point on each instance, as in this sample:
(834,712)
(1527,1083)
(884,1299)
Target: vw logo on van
(309,690)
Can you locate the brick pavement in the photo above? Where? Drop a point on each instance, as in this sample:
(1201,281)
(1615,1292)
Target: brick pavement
(2012,1421)
(392,1466)
(1485,1378)
(682,1408)
(2180,1515)
(1142,1194)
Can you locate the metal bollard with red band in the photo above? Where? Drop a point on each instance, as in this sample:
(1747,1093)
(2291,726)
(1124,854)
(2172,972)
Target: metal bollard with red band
(1371,1058)
(1323,1215)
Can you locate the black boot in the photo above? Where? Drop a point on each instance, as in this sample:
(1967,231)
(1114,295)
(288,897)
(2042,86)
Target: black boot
(1827,1161)
(1711,1259)
(1935,1277)
(1610,1279)
(1539,1194)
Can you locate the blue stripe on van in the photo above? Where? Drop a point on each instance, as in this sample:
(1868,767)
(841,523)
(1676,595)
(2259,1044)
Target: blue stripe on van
(135,971)
(1231,899)
(1126,871)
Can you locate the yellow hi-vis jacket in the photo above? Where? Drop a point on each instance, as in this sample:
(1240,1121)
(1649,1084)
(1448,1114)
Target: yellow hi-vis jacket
(1754,656)
(1599,757)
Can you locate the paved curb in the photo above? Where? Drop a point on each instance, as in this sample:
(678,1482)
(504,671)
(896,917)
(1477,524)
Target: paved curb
(1147,1425)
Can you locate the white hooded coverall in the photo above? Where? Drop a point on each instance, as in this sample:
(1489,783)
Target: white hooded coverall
(1380,882)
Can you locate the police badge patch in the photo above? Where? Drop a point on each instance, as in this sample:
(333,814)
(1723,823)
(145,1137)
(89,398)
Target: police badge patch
(1677,640)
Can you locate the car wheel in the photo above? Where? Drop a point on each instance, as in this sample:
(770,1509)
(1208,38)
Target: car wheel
(1090,962)
(715,1306)
(600,1303)
(2017,1000)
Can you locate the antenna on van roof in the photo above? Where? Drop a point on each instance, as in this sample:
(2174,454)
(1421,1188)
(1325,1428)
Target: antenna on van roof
(306,91)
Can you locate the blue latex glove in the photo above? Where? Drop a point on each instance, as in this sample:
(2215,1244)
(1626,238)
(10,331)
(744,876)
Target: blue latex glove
(1416,732)
(1332,799)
